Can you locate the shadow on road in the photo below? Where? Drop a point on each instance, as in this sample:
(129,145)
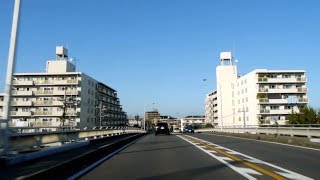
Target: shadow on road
(191,173)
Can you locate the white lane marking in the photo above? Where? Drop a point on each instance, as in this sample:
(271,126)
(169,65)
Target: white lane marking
(289,176)
(265,142)
(240,171)
(249,171)
(89,168)
(226,158)
(293,174)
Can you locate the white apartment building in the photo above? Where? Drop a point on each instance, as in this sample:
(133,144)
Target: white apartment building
(211,109)
(62,97)
(192,120)
(259,97)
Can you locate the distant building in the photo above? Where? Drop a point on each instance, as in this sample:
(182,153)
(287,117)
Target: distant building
(259,97)
(211,109)
(195,121)
(151,118)
(62,97)
(136,121)
(170,120)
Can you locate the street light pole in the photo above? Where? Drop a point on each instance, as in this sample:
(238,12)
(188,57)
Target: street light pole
(10,70)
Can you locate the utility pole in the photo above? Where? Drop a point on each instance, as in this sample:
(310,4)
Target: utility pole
(10,70)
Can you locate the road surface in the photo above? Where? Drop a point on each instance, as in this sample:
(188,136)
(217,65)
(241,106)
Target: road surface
(204,156)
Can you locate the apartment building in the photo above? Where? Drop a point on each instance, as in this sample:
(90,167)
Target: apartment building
(211,108)
(259,97)
(62,97)
(151,118)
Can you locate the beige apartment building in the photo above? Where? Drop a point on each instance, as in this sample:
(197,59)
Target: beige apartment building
(211,108)
(62,97)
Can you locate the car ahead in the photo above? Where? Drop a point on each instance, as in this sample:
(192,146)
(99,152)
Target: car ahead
(162,128)
(188,129)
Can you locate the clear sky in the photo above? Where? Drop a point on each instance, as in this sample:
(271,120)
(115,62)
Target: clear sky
(159,51)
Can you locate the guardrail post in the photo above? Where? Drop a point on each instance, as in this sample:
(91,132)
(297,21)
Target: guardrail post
(308,133)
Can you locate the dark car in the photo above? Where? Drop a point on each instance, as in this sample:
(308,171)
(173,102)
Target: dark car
(162,128)
(188,129)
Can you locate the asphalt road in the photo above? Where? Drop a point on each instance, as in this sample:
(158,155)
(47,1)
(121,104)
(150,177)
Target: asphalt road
(203,156)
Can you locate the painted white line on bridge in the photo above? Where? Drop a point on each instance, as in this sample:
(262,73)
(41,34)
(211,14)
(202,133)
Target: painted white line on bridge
(277,172)
(265,141)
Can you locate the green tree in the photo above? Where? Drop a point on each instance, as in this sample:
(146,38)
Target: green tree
(306,115)
(208,125)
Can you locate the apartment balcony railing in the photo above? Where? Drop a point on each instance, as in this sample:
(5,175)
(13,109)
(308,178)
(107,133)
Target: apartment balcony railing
(68,92)
(40,124)
(280,111)
(302,89)
(263,100)
(262,79)
(21,113)
(21,103)
(48,103)
(264,110)
(65,82)
(71,113)
(301,79)
(303,100)
(263,89)
(22,83)
(43,113)
(282,80)
(44,82)
(43,92)
(22,93)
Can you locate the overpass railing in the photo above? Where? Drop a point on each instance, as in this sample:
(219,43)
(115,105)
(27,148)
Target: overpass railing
(19,141)
(312,130)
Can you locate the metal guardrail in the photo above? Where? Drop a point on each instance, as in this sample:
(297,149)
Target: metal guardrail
(307,131)
(27,141)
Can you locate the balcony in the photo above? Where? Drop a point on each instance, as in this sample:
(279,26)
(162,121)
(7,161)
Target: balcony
(263,100)
(302,79)
(65,82)
(43,82)
(280,111)
(262,79)
(281,80)
(264,110)
(48,113)
(68,92)
(22,93)
(21,103)
(40,123)
(291,90)
(22,83)
(71,113)
(43,92)
(21,114)
(303,100)
(263,89)
(302,90)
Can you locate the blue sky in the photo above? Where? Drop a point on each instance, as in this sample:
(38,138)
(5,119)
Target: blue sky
(158,51)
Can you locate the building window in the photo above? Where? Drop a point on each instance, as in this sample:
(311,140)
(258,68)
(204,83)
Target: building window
(246,99)
(274,107)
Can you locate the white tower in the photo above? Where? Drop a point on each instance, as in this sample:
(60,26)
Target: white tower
(226,74)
